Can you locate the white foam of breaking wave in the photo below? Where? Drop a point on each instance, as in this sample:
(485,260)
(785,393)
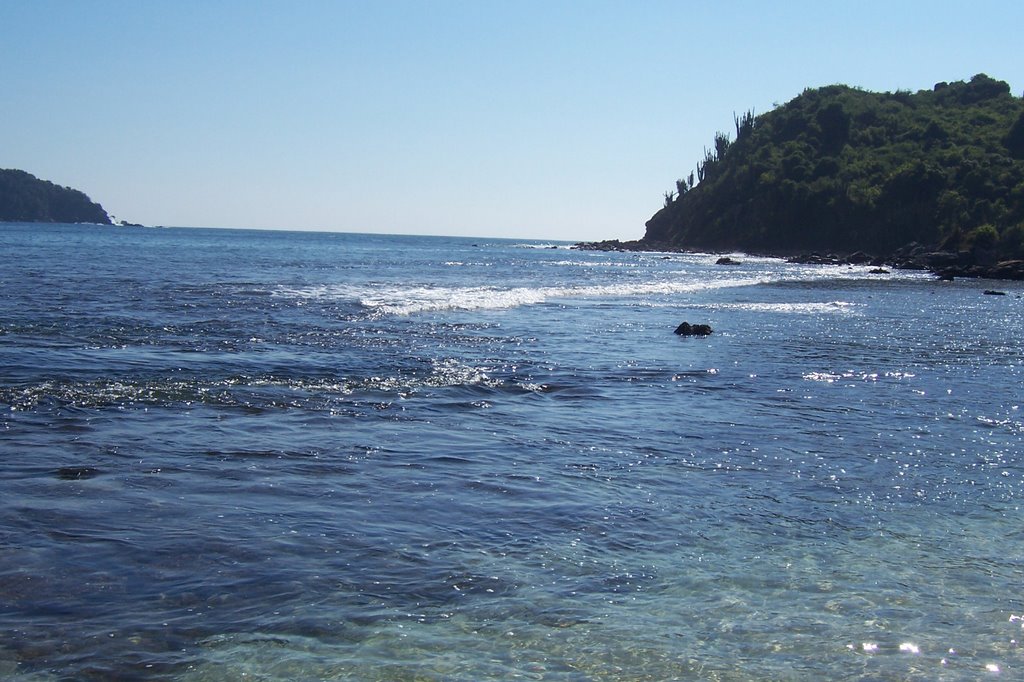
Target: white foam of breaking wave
(315,291)
(591,264)
(817,308)
(397,299)
(407,301)
(543,245)
(412,300)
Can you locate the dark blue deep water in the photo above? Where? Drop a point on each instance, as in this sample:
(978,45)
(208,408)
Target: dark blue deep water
(243,455)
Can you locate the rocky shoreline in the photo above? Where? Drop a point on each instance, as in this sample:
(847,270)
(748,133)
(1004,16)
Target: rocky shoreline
(945,265)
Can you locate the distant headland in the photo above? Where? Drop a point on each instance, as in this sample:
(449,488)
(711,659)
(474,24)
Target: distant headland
(25,198)
(931,179)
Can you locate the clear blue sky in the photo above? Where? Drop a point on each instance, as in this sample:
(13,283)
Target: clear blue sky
(560,120)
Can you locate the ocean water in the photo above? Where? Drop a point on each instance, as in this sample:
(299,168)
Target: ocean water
(250,455)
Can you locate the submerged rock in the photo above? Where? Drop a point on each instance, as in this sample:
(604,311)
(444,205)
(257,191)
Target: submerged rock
(687,329)
(725,260)
(76,473)
(815,259)
(993,292)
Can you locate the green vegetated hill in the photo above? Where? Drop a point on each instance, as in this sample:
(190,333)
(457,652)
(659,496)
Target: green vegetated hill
(841,169)
(26,198)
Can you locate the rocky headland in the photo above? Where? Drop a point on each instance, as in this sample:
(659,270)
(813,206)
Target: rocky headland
(932,180)
(24,198)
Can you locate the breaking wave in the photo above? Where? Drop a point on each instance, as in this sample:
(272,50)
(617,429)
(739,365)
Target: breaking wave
(400,299)
(409,300)
(813,308)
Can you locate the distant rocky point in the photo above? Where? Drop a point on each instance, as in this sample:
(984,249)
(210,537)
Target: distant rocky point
(27,199)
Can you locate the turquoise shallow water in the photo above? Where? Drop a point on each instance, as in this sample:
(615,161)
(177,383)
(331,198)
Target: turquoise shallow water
(279,456)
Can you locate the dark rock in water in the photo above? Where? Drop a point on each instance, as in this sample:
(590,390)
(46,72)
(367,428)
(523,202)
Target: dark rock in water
(938,260)
(725,260)
(1007,269)
(76,473)
(640,245)
(606,245)
(687,329)
(815,259)
(878,271)
(993,292)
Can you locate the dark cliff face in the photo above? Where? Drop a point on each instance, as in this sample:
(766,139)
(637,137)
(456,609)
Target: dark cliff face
(843,169)
(26,198)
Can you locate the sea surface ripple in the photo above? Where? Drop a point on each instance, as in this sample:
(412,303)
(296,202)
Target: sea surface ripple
(235,454)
